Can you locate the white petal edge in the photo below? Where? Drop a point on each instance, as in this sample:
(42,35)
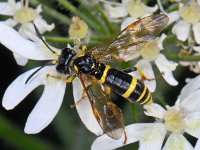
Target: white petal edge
(20,60)
(21,46)
(173,16)
(196,30)
(147,70)
(18,90)
(166,67)
(150,10)
(154,110)
(196,48)
(181,30)
(47,107)
(84,109)
(160,41)
(192,124)
(190,87)
(134,132)
(177,142)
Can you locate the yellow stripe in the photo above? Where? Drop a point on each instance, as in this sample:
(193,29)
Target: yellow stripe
(146,100)
(143,93)
(131,88)
(149,102)
(103,77)
(76,68)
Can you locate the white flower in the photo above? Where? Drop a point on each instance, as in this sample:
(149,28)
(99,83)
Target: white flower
(190,19)
(21,14)
(54,89)
(150,52)
(134,8)
(175,120)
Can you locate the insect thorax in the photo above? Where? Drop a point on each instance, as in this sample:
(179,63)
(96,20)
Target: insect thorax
(86,64)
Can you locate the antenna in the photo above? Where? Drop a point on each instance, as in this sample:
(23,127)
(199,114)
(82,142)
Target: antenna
(48,64)
(40,36)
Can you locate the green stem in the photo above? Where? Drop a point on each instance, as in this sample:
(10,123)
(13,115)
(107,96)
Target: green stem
(10,133)
(59,40)
(51,12)
(73,9)
(64,40)
(108,25)
(175,57)
(56,15)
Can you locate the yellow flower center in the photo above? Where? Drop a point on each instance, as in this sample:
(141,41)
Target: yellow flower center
(190,13)
(150,50)
(25,14)
(136,8)
(78,28)
(174,120)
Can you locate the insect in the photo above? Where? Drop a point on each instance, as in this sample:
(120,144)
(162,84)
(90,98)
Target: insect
(97,76)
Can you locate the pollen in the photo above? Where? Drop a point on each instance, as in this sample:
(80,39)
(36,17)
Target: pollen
(136,8)
(150,50)
(25,15)
(174,120)
(78,28)
(190,13)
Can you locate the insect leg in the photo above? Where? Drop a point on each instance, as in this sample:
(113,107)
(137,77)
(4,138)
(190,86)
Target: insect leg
(129,70)
(82,97)
(68,80)
(125,136)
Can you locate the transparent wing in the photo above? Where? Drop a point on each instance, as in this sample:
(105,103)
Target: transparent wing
(134,35)
(108,115)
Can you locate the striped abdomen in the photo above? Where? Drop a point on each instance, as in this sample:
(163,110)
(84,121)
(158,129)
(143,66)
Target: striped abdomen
(124,84)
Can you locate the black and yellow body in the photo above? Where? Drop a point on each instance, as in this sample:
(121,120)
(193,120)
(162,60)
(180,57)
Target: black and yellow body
(118,81)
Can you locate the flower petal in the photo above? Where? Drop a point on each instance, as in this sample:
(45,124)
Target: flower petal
(20,60)
(134,132)
(47,107)
(115,10)
(190,87)
(84,109)
(196,30)
(42,25)
(196,48)
(21,46)
(192,124)
(177,142)
(10,22)
(160,41)
(9,8)
(147,70)
(150,10)
(197,146)
(166,67)
(18,90)
(191,102)
(154,110)
(173,16)
(181,29)
(153,137)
